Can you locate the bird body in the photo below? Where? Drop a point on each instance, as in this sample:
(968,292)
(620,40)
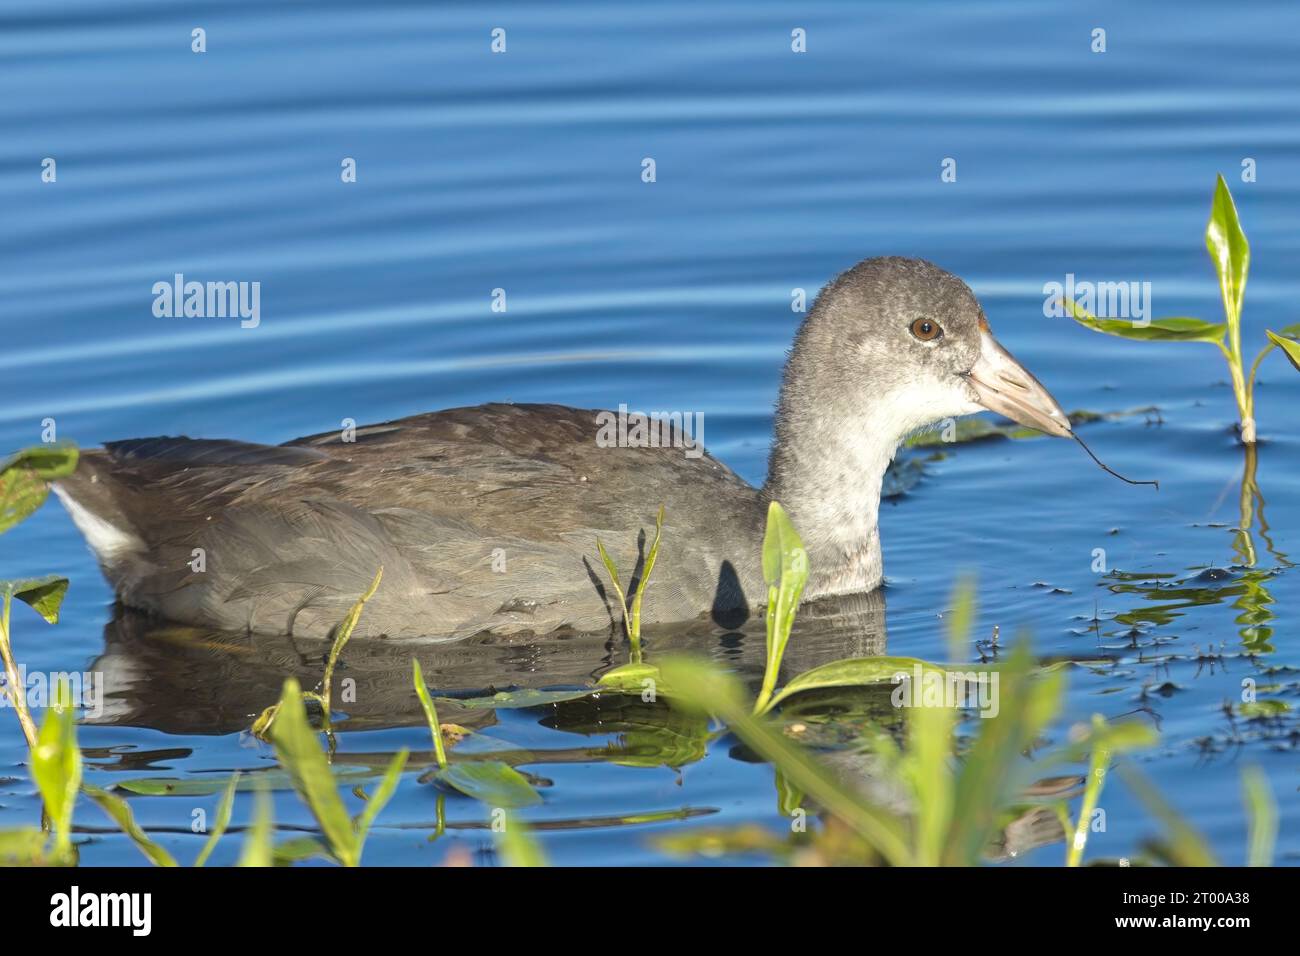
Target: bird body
(485,519)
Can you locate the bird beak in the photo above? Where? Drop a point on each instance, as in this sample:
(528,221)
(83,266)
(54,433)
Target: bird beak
(1005,386)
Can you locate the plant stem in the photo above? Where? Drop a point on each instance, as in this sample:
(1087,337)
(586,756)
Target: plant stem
(774,655)
(14,686)
(1096,780)
(1243,389)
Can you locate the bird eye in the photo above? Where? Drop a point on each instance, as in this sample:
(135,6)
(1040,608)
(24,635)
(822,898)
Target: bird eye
(927,330)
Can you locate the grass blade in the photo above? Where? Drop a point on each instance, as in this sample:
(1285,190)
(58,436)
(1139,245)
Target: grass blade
(1261,809)
(430,713)
(224,809)
(383,793)
(120,813)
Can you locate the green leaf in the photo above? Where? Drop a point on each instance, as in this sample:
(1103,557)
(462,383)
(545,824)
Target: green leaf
(704,688)
(1263,709)
(1261,810)
(785,568)
(680,739)
(517,844)
(1230,253)
(44,595)
(929,735)
(430,712)
(518,699)
(48,462)
(781,544)
(495,783)
(344,633)
(383,793)
(611,569)
(1289,347)
(855,672)
(222,821)
(644,580)
(296,850)
(300,754)
(1173,329)
(257,843)
(24,479)
(630,679)
(1026,703)
(269,780)
(56,767)
(121,814)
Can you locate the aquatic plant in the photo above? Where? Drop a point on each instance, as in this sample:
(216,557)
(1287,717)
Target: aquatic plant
(953,814)
(632,611)
(342,634)
(300,754)
(494,782)
(1230,252)
(24,486)
(785,569)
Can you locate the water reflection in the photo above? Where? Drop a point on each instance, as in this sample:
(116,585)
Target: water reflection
(1245,586)
(187,680)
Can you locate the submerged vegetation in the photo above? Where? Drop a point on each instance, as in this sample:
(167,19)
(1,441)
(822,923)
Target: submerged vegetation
(1230,252)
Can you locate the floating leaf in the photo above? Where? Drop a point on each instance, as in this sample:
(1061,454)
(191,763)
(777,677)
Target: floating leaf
(631,678)
(495,783)
(269,780)
(1263,709)
(518,699)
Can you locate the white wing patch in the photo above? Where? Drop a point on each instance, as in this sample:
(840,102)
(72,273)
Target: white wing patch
(110,543)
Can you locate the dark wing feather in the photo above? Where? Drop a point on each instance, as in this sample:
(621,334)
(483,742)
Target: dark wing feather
(292,534)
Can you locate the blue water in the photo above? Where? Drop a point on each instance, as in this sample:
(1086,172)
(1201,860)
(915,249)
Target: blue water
(774,170)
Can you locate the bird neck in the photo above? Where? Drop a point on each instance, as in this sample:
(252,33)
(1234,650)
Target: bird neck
(826,468)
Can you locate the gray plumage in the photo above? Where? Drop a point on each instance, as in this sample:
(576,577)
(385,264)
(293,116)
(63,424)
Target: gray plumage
(292,534)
